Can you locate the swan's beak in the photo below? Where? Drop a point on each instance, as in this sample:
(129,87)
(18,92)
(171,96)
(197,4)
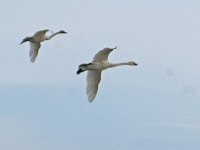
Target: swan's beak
(62,31)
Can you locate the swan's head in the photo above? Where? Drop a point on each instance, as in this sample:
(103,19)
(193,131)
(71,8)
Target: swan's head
(132,63)
(62,31)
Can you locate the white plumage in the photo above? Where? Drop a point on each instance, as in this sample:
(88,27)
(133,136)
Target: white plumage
(34,47)
(93,79)
(100,62)
(35,40)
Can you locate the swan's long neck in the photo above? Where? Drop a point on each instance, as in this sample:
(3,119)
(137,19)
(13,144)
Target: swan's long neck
(54,34)
(119,64)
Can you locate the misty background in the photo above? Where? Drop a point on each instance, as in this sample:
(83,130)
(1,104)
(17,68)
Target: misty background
(153,106)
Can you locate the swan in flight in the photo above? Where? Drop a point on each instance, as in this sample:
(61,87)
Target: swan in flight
(35,40)
(100,62)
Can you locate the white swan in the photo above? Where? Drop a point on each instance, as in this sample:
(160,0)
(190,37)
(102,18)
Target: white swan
(100,62)
(35,42)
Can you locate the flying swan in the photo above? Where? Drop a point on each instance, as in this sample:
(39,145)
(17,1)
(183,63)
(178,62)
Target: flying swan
(100,62)
(35,40)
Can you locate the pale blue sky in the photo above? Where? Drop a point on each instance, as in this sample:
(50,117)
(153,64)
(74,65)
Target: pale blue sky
(152,106)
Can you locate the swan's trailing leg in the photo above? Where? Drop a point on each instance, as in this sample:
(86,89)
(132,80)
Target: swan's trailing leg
(82,68)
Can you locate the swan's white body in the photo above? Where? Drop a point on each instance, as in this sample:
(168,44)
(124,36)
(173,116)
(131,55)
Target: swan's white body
(100,62)
(35,40)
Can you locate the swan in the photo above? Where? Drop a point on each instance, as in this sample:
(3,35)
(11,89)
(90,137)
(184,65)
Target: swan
(100,62)
(35,40)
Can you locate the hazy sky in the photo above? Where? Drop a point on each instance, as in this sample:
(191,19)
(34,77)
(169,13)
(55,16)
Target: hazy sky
(154,106)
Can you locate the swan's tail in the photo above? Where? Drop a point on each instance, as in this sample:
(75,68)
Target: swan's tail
(26,39)
(82,68)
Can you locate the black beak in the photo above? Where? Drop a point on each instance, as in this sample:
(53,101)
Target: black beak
(62,31)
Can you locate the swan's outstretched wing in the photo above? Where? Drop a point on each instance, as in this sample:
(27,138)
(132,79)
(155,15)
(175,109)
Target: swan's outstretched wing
(102,55)
(93,79)
(34,51)
(41,32)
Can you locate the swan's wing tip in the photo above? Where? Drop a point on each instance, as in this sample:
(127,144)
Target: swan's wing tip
(93,79)
(90,98)
(32,60)
(115,47)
